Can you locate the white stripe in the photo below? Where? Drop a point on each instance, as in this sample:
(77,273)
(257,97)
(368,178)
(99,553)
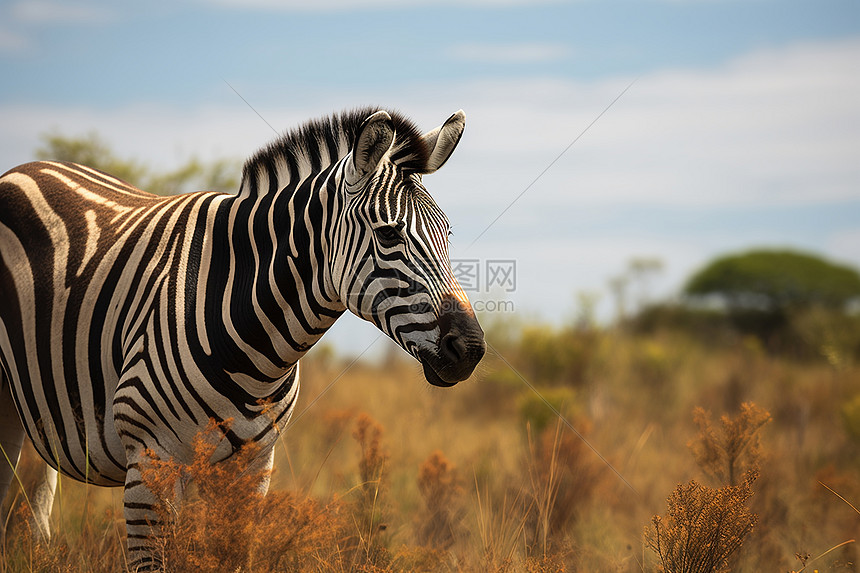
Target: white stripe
(118,186)
(92,240)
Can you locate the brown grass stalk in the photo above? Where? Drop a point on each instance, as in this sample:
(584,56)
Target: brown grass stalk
(728,453)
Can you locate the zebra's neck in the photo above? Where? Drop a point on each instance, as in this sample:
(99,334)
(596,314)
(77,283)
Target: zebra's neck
(276,284)
(273,252)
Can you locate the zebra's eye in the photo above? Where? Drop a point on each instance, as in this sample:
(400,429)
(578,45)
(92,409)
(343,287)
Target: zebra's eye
(388,236)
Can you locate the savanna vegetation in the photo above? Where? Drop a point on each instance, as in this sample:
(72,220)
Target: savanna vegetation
(678,439)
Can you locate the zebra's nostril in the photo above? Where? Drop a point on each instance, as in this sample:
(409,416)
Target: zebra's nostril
(453,347)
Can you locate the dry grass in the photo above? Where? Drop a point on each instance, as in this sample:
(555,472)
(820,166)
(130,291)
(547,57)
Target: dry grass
(562,478)
(225,523)
(441,489)
(727,455)
(385,474)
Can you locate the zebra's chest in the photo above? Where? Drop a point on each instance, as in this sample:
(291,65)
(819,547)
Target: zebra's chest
(170,416)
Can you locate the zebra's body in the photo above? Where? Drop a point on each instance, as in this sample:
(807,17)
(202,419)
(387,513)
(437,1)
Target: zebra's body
(128,321)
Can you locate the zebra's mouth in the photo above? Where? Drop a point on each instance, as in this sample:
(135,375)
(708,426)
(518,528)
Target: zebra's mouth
(458,349)
(434,378)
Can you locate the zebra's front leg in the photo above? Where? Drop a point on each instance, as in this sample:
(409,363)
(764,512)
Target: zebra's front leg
(149,495)
(147,511)
(262,466)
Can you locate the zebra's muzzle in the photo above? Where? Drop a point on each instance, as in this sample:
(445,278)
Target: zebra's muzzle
(460,347)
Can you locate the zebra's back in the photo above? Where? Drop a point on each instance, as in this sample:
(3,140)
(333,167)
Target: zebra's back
(83,258)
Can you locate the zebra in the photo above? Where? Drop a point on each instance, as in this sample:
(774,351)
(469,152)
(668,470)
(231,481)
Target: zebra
(128,320)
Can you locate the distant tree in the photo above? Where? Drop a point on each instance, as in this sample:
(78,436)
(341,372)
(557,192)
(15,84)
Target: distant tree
(91,150)
(775,281)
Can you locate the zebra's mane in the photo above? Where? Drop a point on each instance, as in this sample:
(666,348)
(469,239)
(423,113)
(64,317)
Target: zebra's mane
(321,142)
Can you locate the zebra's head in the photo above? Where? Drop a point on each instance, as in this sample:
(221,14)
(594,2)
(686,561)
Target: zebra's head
(391,259)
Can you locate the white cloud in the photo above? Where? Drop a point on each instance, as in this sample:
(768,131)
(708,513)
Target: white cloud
(779,126)
(519,53)
(52,12)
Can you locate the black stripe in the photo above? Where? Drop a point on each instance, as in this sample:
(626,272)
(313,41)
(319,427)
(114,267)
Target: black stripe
(138,505)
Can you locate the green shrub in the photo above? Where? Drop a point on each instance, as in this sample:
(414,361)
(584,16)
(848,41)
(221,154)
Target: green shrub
(535,412)
(550,356)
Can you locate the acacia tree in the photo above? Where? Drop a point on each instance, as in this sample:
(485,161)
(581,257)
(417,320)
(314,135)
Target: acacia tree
(776,281)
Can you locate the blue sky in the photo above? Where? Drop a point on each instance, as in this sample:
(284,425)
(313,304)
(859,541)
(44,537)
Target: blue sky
(104,53)
(742,127)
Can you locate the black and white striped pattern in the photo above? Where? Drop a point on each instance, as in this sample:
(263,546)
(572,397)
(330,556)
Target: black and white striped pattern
(128,321)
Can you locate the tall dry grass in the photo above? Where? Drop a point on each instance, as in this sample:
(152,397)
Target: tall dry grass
(440,523)
(728,454)
(383,473)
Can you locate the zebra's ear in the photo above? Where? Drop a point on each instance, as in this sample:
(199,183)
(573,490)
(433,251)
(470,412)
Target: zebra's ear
(373,141)
(443,140)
